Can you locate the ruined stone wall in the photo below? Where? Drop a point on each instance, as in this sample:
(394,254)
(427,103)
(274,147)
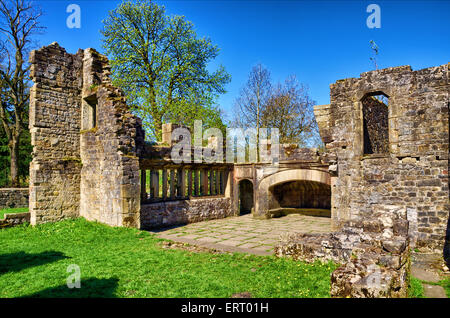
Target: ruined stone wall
(413,175)
(55,105)
(13,219)
(85,155)
(373,250)
(164,214)
(110,186)
(14,198)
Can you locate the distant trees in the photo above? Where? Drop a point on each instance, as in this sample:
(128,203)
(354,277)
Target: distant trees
(161,65)
(286,106)
(19,21)
(290,109)
(253,99)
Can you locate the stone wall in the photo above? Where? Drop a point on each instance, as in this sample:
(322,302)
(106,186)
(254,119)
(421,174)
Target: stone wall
(169,213)
(14,198)
(55,106)
(86,142)
(13,219)
(413,175)
(373,251)
(110,185)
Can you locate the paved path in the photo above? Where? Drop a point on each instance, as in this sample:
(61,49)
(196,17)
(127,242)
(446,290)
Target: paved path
(428,268)
(245,234)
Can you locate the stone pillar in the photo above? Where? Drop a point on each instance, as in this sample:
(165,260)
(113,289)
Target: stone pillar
(151,180)
(164,184)
(211,182)
(55,123)
(167,130)
(222,182)
(181,183)
(143,185)
(196,182)
(172,183)
(189,172)
(155,178)
(217,174)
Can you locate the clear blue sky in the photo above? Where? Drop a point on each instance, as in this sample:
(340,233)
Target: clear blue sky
(319,41)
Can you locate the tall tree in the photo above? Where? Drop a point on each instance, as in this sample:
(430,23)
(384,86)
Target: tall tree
(252,100)
(18,23)
(290,109)
(161,64)
(285,106)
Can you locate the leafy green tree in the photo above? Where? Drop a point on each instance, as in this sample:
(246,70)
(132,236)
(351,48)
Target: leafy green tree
(24,156)
(161,65)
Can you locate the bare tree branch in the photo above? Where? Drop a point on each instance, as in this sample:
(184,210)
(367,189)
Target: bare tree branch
(19,20)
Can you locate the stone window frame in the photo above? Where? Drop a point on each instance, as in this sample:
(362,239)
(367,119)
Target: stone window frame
(359,131)
(89,111)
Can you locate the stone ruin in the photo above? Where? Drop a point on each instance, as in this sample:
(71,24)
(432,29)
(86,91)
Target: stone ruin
(383,178)
(388,159)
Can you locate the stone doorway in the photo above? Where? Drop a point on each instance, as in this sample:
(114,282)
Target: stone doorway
(245,197)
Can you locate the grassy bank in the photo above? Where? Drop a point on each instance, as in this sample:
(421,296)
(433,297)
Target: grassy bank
(121,262)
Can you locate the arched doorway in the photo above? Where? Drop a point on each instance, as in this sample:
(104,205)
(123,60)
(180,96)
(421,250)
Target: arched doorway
(245,197)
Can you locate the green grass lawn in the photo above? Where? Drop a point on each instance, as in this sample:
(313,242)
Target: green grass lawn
(121,262)
(446,284)
(14,210)
(415,288)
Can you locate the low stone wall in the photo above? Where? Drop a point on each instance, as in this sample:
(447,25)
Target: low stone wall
(164,214)
(14,198)
(12,219)
(375,254)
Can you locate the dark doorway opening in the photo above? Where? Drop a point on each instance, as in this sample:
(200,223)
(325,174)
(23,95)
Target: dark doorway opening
(245,197)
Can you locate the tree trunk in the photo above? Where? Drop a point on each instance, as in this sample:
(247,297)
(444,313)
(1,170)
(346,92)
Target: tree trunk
(14,166)
(158,127)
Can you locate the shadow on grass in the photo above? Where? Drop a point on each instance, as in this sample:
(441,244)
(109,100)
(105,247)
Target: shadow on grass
(16,262)
(91,287)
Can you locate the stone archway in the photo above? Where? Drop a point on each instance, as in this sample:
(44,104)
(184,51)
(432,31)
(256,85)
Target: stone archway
(266,196)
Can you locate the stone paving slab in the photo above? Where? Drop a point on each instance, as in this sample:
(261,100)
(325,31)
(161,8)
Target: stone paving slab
(428,268)
(245,234)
